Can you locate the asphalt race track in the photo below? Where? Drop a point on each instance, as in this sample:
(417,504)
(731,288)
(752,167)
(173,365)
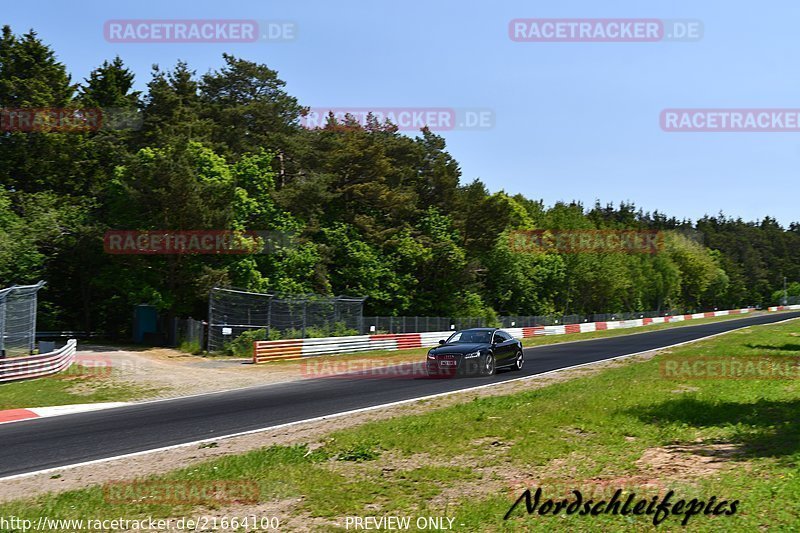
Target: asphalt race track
(43,443)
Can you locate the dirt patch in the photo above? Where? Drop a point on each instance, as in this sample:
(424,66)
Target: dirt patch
(686,462)
(684,388)
(658,469)
(577,432)
(172,373)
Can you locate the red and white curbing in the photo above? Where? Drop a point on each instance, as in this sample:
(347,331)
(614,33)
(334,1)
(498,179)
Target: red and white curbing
(16,415)
(264,351)
(784,308)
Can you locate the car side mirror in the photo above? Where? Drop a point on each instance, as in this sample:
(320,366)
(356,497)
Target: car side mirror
(441,341)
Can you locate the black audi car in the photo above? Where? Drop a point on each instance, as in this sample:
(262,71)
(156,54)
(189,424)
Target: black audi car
(474,351)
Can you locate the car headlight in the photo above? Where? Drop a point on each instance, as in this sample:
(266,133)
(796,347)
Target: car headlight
(431,356)
(472,355)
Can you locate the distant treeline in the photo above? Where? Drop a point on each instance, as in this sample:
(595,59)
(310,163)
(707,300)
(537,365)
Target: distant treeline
(373,212)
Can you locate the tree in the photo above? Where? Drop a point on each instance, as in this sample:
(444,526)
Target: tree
(249,108)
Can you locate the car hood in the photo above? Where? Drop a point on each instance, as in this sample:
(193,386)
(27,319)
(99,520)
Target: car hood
(460,348)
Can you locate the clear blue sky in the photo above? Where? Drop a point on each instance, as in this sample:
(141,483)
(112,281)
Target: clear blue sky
(573,120)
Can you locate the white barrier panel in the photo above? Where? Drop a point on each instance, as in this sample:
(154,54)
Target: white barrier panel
(514,332)
(784,308)
(35,366)
(433,337)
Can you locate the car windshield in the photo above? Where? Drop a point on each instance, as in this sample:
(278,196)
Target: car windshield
(471,336)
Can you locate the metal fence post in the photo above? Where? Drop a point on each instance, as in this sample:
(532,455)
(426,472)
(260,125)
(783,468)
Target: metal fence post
(210,321)
(2,325)
(304,319)
(269,316)
(32,306)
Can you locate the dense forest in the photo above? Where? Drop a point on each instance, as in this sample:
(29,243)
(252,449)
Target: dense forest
(372,212)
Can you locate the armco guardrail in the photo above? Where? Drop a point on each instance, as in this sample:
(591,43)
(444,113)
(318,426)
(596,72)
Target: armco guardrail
(34,366)
(264,351)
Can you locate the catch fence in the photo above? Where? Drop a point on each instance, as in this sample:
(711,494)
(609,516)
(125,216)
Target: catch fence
(231,312)
(421,324)
(18,319)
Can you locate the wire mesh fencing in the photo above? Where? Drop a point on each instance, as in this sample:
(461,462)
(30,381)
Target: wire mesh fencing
(190,332)
(231,312)
(554,320)
(418,324)
(18,319)
(421,324)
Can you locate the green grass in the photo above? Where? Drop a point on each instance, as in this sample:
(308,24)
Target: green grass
(193,347)
(454,461)
(77,385)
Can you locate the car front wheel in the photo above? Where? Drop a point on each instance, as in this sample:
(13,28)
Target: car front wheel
(488,366)
(519,361)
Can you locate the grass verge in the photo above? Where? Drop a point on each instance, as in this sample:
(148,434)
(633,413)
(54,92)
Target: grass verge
(78,384)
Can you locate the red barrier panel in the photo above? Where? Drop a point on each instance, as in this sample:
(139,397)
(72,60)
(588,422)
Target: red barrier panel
(409,340)
(532,331)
